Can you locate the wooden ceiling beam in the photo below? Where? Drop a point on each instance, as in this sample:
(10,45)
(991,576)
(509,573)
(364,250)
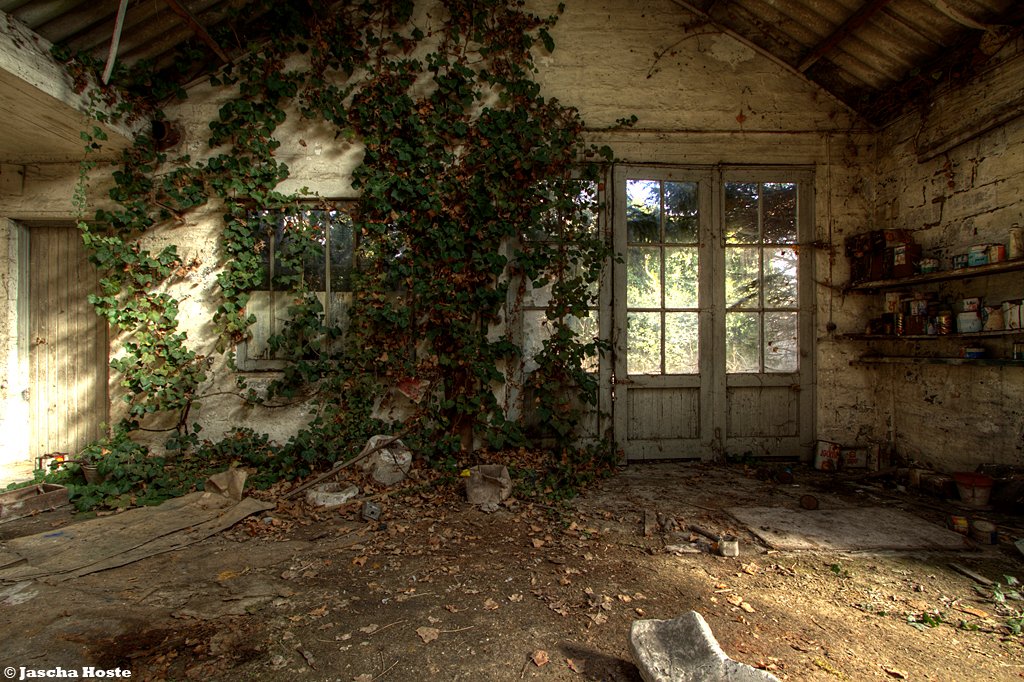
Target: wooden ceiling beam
(197,28)
(858,19)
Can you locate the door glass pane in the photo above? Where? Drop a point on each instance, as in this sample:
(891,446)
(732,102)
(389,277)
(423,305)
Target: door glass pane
(780,283)
(779,212)
(643,277)
(681,353)
(742,277)
(681,212)
(741,203)
(643,343)
(681,277)
(643,211)
(742,342)
(780,338)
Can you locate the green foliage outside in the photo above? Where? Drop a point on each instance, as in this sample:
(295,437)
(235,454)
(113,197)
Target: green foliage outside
(465,163)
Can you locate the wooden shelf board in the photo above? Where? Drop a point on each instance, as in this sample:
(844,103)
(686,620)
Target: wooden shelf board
(918,360)
(929,337)
(941,276)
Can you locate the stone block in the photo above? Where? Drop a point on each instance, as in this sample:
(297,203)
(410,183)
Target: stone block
(684,650)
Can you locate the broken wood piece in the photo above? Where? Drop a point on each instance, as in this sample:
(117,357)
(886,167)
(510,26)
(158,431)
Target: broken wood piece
(706,533)
(972,575)
(366,452)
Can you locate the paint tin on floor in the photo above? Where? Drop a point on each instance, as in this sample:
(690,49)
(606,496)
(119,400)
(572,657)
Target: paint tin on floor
(729,545)
(959,524)
(983,531)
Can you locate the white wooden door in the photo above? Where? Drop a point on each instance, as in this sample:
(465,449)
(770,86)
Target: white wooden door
(67,345)
(712,325)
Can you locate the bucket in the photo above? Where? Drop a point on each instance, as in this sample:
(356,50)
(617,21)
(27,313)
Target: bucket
(983,531)
(974,488)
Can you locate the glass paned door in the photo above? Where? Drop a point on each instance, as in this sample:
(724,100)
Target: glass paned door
(661,312)
(712,313)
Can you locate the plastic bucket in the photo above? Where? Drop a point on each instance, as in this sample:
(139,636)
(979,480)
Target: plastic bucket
(974,488)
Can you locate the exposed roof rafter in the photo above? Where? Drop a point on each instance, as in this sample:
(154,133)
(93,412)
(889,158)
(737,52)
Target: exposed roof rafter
(198,29)
(858,19)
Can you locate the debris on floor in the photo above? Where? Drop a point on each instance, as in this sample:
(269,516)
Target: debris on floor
(685,650)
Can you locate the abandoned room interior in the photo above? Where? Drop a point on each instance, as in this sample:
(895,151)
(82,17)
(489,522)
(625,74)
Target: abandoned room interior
(454,339)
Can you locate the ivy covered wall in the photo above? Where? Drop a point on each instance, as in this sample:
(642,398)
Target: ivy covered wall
(438,127)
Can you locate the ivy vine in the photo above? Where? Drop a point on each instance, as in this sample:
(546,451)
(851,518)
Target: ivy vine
(469,195)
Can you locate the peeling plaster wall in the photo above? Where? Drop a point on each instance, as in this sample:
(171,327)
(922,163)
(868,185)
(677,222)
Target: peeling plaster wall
(701,98)
(955,417)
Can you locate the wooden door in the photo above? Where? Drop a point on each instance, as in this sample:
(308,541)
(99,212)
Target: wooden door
(68,353)
(663,377)
(712,313)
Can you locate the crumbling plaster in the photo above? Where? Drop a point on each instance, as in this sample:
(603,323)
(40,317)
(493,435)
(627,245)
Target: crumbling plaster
(703,99)
(955,417)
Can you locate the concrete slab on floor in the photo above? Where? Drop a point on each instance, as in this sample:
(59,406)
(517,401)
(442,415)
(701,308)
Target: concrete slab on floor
(861,528)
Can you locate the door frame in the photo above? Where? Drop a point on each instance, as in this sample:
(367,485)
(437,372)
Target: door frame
(712,442)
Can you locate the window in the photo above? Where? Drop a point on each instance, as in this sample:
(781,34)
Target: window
(762,307)
(309,249)
(561,226)
(662,249)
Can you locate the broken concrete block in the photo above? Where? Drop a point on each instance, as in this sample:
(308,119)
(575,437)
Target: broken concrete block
(330,495)
(684,650)
(488,484)
(390,464)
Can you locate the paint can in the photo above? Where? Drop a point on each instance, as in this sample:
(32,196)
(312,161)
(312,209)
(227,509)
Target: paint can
(959,524)
(729,545)
(1016,249)
(997,253)
(826,457)
(977,255)
(983,531)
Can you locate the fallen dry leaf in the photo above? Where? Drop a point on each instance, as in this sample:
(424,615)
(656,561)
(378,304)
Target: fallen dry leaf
(746,607)
(428,635)
(540,658)
(573,665)
(599,618)
(515,598)
(369,629)
(359,561)
(892,672)
(537,543)
(491,605)
(734,599)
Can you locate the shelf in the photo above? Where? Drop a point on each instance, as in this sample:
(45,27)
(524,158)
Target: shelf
(941,276)
(929,337)
(917,360)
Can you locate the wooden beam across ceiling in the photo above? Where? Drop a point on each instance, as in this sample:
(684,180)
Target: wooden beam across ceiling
(197,28)
(858,19)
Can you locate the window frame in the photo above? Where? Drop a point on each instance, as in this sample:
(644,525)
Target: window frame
(267,300)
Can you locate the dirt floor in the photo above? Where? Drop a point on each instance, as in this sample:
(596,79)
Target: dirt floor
(438,589)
